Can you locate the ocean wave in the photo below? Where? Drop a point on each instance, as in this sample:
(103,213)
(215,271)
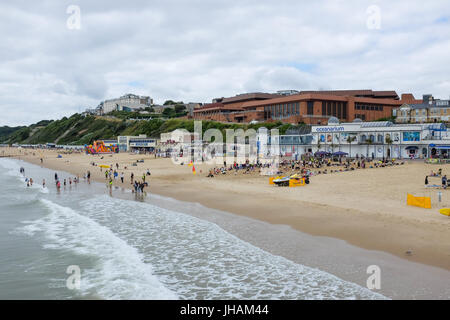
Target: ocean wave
(13,170)
(199,260)
(120,272)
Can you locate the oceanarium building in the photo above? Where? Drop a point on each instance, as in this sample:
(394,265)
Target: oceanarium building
(370,139)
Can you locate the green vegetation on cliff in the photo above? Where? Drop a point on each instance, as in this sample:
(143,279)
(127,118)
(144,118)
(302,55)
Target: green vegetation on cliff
(80,130)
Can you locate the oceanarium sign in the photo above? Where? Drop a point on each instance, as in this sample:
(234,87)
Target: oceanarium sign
(328,129)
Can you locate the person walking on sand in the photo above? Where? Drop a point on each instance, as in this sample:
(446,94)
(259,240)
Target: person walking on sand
(121,177)
(132,177)
(426,181)
(444,182)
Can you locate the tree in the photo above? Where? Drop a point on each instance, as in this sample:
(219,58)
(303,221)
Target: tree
(169,102)
(350,139)
(368,142)
(389,142)
(179,108)
(168,113)
(332,147)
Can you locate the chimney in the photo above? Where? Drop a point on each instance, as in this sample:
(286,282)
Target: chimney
(427,98)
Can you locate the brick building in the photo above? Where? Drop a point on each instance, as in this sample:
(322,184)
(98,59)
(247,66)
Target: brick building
(311,107)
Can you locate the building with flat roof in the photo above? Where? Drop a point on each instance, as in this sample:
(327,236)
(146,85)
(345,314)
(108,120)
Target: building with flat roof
(306,107)
(137,143)
(381,139)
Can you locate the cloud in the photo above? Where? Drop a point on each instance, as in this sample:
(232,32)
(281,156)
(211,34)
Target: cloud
(198,50)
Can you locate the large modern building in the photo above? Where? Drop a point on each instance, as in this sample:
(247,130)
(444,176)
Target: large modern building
(128,102)
(311,107)
(370,139)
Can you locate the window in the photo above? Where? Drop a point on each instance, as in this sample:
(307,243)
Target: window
(310,110)
(344,110)
(339,111)
(297,106)
(328,108)
(324,108)
(334,109)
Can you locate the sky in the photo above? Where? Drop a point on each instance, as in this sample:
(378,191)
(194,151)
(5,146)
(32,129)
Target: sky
(60,57)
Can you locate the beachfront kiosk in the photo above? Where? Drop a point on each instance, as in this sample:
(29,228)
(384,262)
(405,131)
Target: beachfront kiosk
(136,143)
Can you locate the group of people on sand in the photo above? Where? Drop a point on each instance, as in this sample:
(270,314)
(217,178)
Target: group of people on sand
(307,165)
(444,181)
(245,168)
(328,165)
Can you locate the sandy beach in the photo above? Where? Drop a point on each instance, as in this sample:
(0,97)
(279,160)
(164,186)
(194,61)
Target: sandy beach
(365,207)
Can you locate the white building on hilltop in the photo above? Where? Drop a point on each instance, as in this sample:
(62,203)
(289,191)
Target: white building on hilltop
(128,102)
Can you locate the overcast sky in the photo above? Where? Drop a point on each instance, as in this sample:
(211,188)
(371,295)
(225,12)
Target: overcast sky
(197,50)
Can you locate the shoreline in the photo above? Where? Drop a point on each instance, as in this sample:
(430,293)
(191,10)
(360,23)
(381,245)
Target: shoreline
(336,257)
(376,230)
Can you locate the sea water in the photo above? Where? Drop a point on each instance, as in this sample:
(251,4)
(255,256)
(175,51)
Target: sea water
(128,249)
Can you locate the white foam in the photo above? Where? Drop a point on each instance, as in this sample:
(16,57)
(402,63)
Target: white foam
(199,260)
(120,273)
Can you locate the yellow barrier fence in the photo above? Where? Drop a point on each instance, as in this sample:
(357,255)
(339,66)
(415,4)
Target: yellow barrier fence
(423,202)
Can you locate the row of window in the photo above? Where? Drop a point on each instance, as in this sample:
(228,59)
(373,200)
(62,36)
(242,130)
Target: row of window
(372,107)
(360,116)
(335,109)
(282,110)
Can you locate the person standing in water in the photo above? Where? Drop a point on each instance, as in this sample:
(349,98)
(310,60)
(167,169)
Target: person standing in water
(56,176)
(43,183)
